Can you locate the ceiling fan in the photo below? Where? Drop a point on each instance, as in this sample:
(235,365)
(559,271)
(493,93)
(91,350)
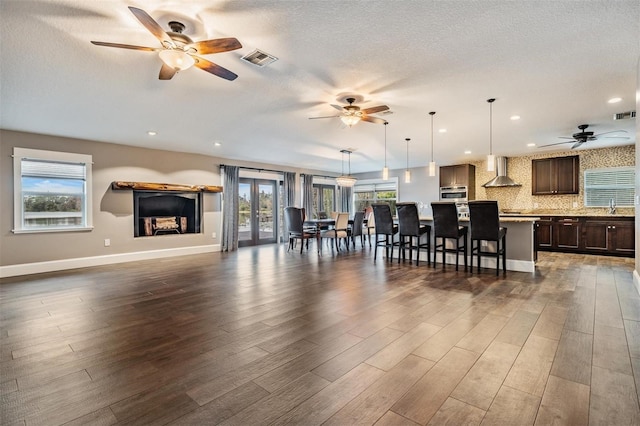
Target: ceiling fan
(352,114)
(583,136)
(179,52)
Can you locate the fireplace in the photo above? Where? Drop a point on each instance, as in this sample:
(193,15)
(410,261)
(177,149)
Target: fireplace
(166,213)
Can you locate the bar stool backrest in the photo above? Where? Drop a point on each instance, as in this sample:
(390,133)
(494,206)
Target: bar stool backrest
(485,220)
(383,219)
(408,220)
(445,219)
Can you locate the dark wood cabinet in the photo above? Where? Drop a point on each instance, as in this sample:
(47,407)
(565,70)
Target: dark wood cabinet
(607,235)
(460,175)
(559,175)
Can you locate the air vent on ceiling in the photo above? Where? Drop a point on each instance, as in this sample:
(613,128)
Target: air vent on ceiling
(624,115)
(259,58)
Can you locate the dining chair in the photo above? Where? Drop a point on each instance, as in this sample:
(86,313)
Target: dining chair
(339,231)
(446,227)
(411,232)
(485,226)
(356,228)
(371,225)
(294,220)
(385,228)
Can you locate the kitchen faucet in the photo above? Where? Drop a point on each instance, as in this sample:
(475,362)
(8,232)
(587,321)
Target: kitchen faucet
(612,206)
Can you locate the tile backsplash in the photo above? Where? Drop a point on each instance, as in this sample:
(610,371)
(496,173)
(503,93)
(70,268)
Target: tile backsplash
(519,169)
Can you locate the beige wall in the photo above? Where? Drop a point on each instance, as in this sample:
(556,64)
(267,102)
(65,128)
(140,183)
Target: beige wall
(112,210)
(519,169)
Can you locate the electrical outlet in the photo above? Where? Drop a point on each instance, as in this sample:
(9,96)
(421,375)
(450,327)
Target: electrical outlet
(535,205)
(213,235)
(107,242)
(575,204)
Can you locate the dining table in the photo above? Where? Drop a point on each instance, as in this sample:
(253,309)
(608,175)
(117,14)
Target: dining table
(318,225)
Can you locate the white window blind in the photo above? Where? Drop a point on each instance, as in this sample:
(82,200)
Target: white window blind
(603,185)
(53,169)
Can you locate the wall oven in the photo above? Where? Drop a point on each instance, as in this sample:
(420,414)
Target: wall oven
(456,194)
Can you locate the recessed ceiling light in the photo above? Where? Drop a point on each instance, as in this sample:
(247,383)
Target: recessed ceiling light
(614,100)
(515,117)
(531,144)
(217,144)
(442,130)
(152,133)
(467,152)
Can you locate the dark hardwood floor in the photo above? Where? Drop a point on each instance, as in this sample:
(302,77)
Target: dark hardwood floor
(265,336)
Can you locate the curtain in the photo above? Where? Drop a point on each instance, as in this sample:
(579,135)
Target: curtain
(345,197)
(289,189)
(307,194)
(230,207)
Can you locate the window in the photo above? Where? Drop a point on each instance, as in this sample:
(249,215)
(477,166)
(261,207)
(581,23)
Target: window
(369,192)
(324,198)
(601,186)
(52,191)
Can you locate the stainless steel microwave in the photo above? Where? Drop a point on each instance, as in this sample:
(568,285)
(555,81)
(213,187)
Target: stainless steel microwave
(457,194)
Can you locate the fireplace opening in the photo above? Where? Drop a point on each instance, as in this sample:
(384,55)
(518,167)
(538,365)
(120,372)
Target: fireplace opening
(166,213)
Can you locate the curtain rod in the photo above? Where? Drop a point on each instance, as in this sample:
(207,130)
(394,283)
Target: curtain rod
(256,168)
(320,176)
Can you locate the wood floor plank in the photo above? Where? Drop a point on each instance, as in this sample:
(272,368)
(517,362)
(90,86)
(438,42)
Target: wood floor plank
(392,419)
(396,351)
(377,399)
(531,369)
(454,412)
(517,330)
(347,360)
(581,314)
(481,384)
(632,331)
(512,407)
(482,334)
(551,322)
(573,357)
(102,417)
(564,402)
(607,311)
(279,402)
(328,401)
(614,400)
(223,407)
(424,398)
(610,349)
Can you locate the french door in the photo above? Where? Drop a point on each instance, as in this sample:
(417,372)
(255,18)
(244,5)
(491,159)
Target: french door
(258,219)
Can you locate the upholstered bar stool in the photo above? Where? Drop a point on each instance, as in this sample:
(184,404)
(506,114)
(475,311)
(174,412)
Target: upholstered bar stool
(485,226)
(446,227)
(411,232)
(385,228)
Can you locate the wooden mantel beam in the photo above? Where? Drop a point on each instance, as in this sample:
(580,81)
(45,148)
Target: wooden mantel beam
(150,186)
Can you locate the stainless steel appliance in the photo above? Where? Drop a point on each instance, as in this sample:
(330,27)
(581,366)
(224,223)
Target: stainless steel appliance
(457,194)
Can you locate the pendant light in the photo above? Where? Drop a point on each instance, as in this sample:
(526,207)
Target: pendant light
(385,169)
(346,180)
(407,173)
(432,164)
(491,159)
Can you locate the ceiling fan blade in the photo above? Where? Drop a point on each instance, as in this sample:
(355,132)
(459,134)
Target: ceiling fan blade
(338,107)
(125,46)
(150,24)
(566,137)
(326,116)
(613,131)
(559,143)
(166,72)
(373,120)
(218,45)
(373,110)
(577,144)
(215,69)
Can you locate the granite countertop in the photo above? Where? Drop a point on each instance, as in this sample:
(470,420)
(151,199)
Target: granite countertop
(573,213)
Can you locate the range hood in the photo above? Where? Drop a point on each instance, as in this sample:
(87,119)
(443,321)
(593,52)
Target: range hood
(502,179)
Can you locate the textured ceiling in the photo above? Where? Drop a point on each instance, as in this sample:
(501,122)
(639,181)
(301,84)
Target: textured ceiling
(554,63)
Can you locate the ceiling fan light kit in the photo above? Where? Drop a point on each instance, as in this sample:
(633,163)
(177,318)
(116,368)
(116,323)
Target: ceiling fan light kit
(177,59)
(352,114)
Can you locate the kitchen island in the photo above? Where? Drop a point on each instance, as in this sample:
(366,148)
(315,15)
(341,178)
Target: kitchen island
(520,243)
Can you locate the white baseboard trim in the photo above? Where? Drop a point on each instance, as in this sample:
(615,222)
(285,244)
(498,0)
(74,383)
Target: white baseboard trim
(636,280)
(489,262)
(83,262)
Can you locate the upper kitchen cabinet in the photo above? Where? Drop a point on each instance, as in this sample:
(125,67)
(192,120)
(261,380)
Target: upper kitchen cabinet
(559,175)
(460,175)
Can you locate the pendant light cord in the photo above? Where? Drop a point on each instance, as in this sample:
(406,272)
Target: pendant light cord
(385,143)
(432,113)
(407,139)
(490,125)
